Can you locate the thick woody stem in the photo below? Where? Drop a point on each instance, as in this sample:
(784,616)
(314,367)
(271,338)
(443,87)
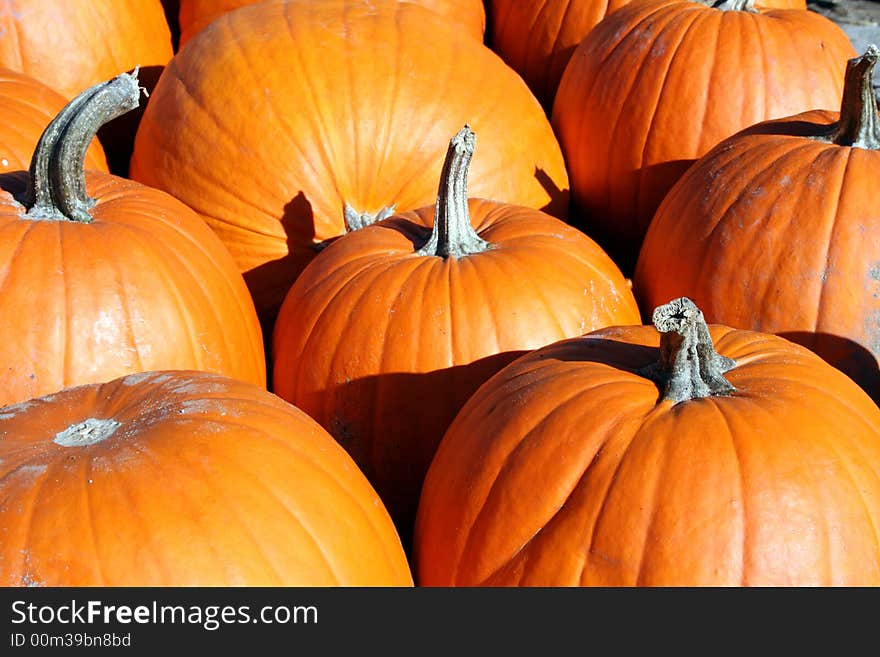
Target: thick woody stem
(57,187)
(689,366)
(858,125)
(453,236)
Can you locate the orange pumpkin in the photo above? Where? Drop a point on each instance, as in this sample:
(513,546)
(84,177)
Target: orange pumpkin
(184,478)
(195,15)
(26,108)
(356,102)
(776,230)
(756,465)
(537,38)
(101,276)
(71,45)
(390,329)
(661,82)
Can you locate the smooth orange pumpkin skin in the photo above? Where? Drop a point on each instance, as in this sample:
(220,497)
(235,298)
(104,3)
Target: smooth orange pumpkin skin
(661,82)
(564,470)
(207,481)
(356,103)
(147,285)
(383,346)
(71,45)
(26,108)
(195,15)
(537,37)
(776,231)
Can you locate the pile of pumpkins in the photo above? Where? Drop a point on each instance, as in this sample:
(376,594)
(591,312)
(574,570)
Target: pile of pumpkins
(437,293)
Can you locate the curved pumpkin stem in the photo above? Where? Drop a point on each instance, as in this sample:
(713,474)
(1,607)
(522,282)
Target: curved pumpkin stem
(57,186)
(689,366)
(453,236)
(859,125)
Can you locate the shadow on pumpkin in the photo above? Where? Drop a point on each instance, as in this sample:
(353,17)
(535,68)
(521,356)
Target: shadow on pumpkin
(559,204)
(851,358)
(621,233)
(269,282)
(391,425)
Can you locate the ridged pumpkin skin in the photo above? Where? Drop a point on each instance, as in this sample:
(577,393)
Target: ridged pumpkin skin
(26,108)
(564,470)
(537,37)
(661,82)
(356,102)
(383,346)
(777,232)
(145,286)
(203,481)
(195,15)
(73,44)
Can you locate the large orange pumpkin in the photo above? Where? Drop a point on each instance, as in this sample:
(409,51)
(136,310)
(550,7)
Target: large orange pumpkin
(184,478)
(352,103)
(26,108)
(195,15)
(390,329)
(101,276)
(777,229)
(71,45)
(659,83)
(537,38)
(756,465)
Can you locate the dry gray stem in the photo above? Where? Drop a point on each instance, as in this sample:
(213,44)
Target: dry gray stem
(57,187)
(355,220)
(689,366)
(858,125)
(453,236)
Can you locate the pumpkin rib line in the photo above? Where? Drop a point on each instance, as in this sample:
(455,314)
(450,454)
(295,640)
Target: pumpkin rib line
(173,291)
(317,466)
(757,24)
(16,252)
(90,517)
(388,130)
(314,118)
(37,488)
(254,337)
(612,482)
(737,460)
(527,436)
(675,25)
(218,185)
(117,267)
(68,315)
(844,464)
(829,242)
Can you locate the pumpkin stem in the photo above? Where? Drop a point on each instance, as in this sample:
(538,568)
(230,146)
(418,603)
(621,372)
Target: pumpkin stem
(731,5)
(57,187)
(355,220)
(858,125)
(453,236)
(689,366)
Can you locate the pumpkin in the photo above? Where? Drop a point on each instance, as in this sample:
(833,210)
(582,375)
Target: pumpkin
(74,44)
(675,455)
(184,478)
(328,138)
(659,83)
(537,38)
(390,329)
(776,230)
(195,15)
(101,276)
(26,108)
